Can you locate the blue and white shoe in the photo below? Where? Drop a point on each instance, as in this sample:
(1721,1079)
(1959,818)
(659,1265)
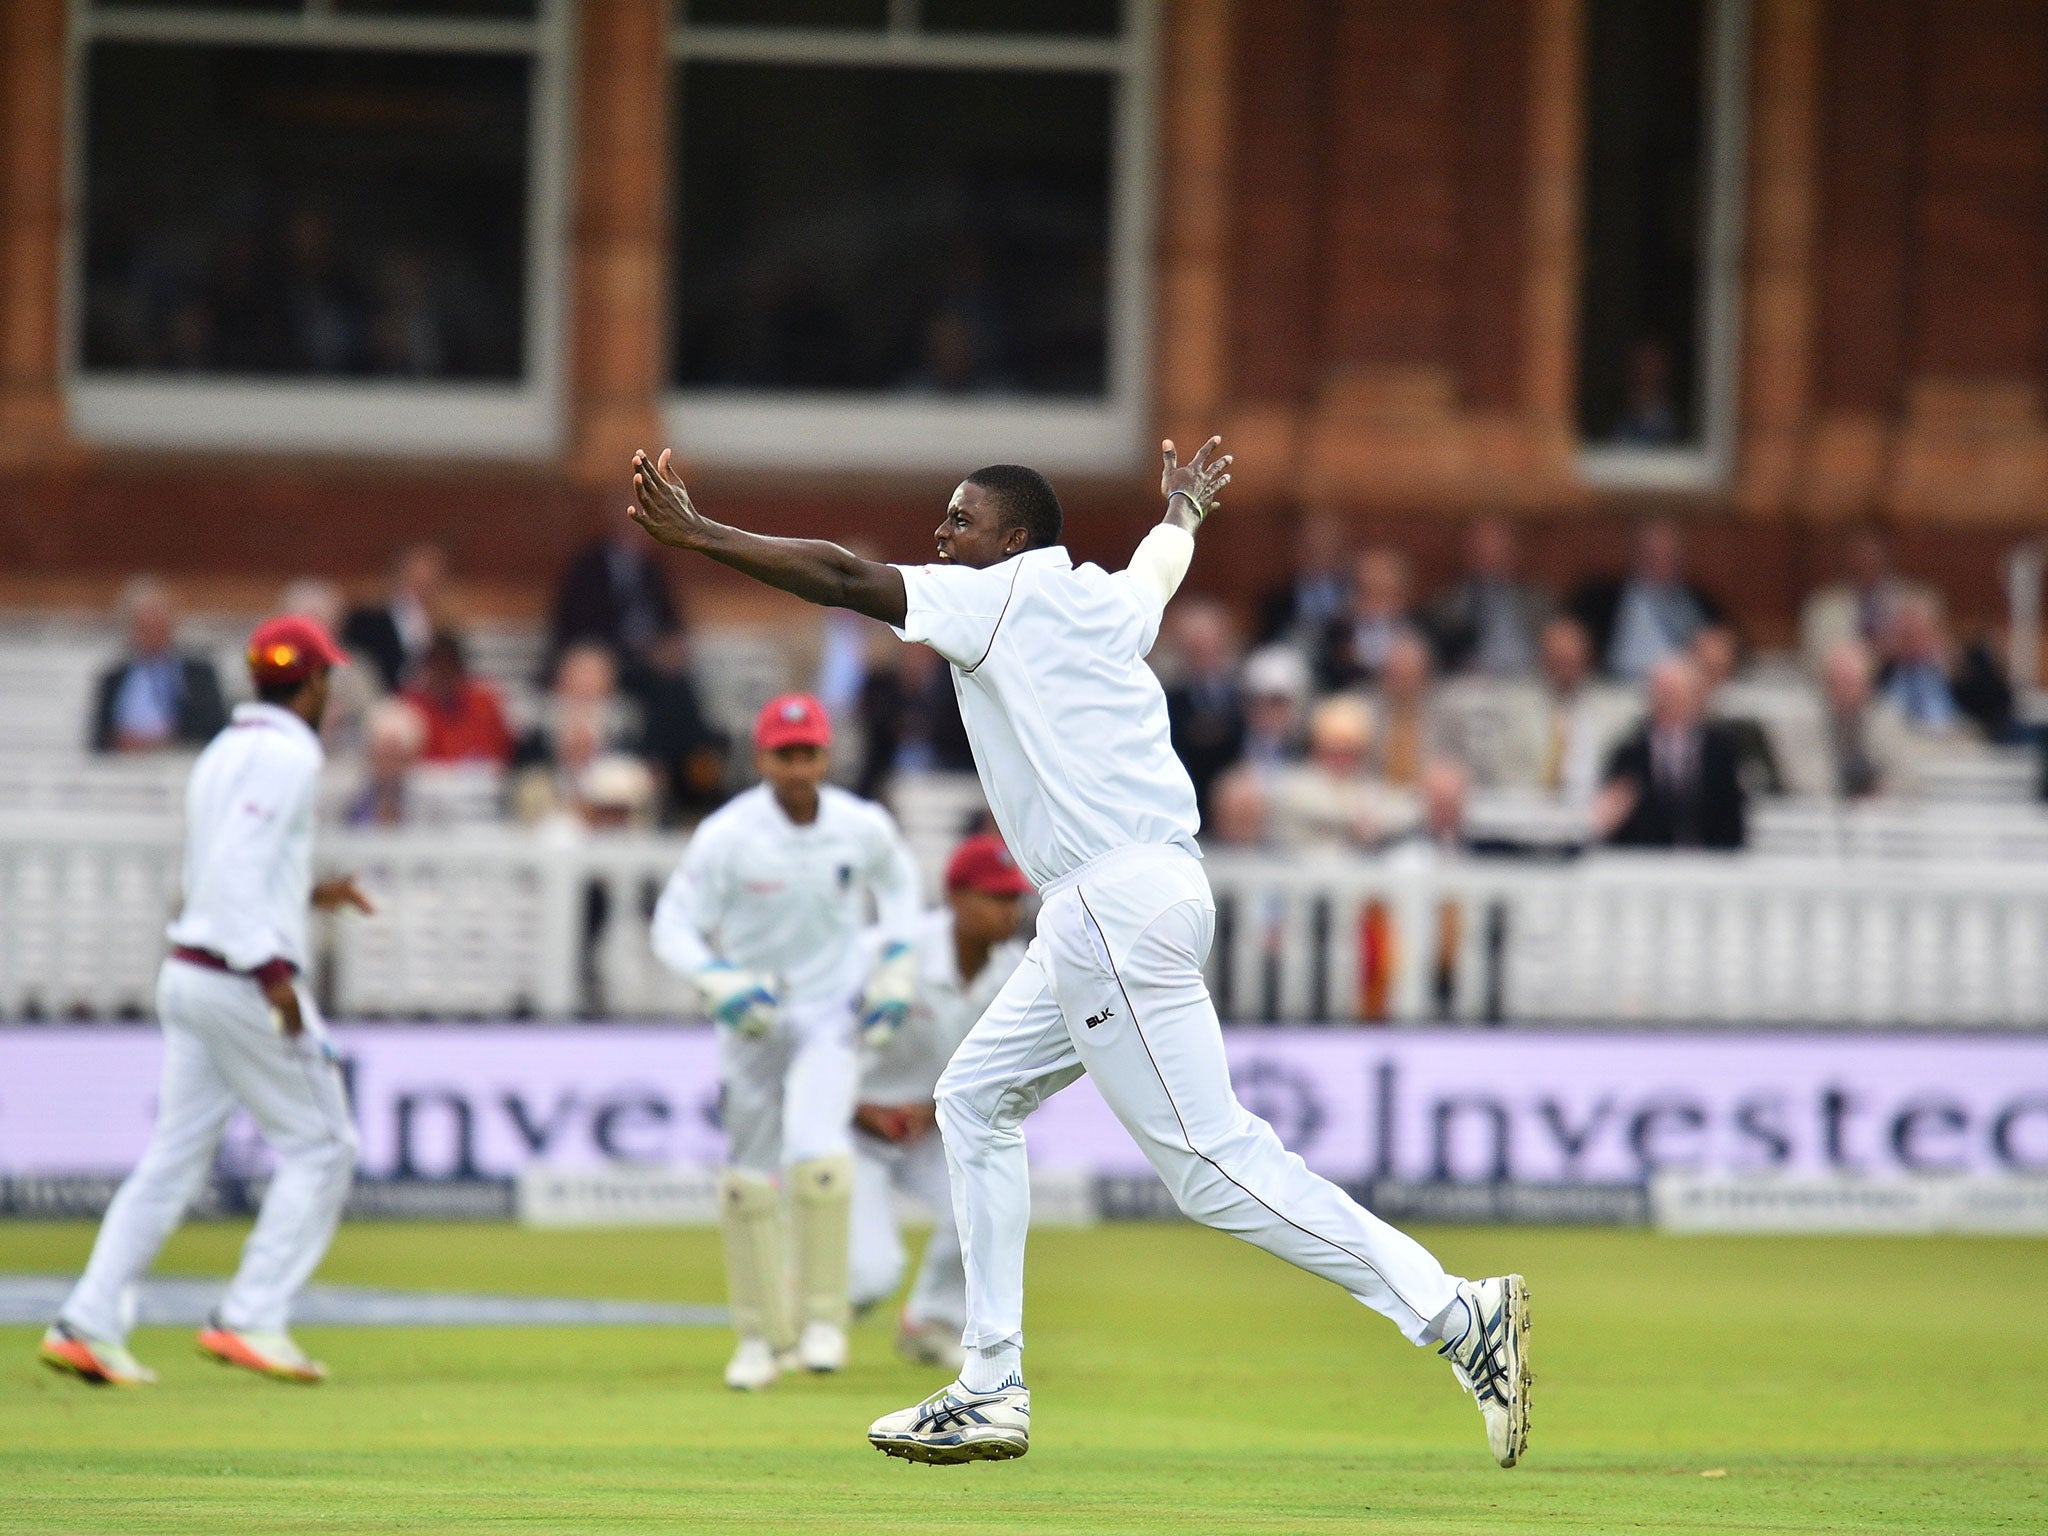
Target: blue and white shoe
(1492,1361)
(955,1425)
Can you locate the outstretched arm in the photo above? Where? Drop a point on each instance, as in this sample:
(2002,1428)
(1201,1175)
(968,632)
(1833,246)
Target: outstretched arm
(812,569)
(1162,556)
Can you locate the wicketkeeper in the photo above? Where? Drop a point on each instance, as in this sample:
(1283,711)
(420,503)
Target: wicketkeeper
(765,916)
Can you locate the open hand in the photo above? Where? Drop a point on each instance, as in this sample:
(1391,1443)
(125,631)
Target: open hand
(1199,481)
(662,506)
(342,891)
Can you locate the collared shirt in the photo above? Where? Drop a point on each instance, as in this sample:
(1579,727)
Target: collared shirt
(146,703)
(906,1070)
(1067,722)
(1654,620)
(249,840)
(788,900)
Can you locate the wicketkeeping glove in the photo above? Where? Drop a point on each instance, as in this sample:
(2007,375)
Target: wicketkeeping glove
(885,1001)
(742,1001)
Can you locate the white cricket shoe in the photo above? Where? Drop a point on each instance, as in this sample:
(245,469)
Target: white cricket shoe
(927,1343)
(1492,1361)
(821,1347)
(955,1425)
(752,1367)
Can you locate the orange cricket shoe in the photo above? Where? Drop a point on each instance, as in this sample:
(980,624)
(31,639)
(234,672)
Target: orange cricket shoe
(99,1361)
(267,1354)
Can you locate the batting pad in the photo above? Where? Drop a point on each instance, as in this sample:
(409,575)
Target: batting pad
(750,1221)
(821,1194)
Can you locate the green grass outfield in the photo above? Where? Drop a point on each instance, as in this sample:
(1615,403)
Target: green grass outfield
(1183,1383)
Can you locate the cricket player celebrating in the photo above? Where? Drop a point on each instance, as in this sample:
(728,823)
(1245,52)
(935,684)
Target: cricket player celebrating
(966,950)
(765,916)
(1069,732)
(238,1028)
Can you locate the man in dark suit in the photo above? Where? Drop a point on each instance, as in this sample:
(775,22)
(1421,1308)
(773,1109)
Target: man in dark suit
(1489,620)
(1675,783)
(616,593)
(1652,613)
(393,636)
(1205,706)
(155,697)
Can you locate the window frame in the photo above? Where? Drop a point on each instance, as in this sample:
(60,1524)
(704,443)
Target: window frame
(381,417)
(796,430)
(1709,463)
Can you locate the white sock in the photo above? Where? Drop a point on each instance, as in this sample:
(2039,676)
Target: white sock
(992,1368)
(1449,1327)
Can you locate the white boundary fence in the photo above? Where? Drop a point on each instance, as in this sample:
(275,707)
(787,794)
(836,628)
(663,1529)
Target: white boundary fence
(492,922)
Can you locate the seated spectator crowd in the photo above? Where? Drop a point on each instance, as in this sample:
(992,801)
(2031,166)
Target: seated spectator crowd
(1366,716)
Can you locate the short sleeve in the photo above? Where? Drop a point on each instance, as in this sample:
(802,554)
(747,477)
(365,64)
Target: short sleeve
(956,610)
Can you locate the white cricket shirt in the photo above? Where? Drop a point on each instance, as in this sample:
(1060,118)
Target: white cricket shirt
(906,1070)
(765,894)
(1067,722)
(249,840)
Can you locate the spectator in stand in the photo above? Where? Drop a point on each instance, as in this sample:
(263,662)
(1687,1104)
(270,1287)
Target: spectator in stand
(156,696)
(1241,811)
(1204,706)
(583,717)
(1276,688)
(614,592)
(354,686)
(1489,620)
(1573,731)
(1676,782)
(464,718)
(395,633)
(395,735)
(1650,614)
(1319,590)
(687,752)
(1331,801)
(1356,642)
(1870,751)
(615,793)
(1939,691)
(1715,653)
(1858,607)
(910,721)
(1411,730)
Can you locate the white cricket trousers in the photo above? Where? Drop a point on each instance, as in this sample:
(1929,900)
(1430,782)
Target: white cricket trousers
(918,1168)
(789,1093)
(1112,986)
(221,1049)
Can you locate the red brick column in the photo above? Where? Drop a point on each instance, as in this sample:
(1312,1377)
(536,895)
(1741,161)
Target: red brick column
(618,343)
(31,227)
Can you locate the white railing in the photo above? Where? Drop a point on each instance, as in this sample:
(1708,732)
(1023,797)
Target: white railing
(492,922)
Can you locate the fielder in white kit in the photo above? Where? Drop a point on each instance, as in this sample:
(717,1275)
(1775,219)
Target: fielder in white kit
(966,950)
(766,916)
(1069,731)
(239,1029)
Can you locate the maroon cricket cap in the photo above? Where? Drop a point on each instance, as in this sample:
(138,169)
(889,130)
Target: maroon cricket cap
(792,720)
(983,864)
(287,649)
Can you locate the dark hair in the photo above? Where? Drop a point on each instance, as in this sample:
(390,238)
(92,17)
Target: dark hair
(280,692)
(447,644)
(1026,500)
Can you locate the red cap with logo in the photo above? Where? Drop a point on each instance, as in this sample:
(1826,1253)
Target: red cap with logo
(287,649)
(983,864)
(792,720)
